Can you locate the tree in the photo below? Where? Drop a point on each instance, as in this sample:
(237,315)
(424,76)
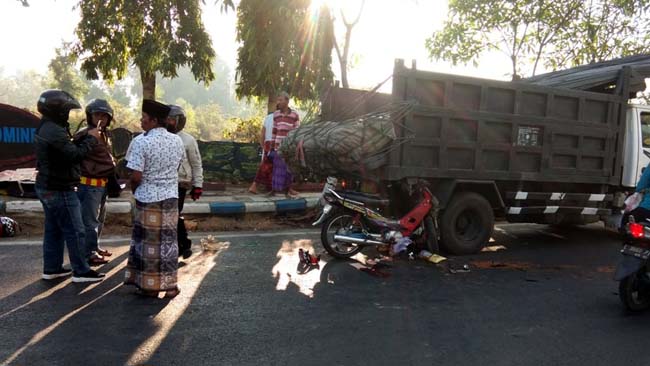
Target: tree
(23,89)
(282,47)
(557,33)
(210,122)
(343,57)
(517,28)
(155,35)
(605,29)
(64,74)
(244,130)
(220,91)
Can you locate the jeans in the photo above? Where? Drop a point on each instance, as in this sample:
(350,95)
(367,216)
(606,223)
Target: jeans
(91,199)
(63,224)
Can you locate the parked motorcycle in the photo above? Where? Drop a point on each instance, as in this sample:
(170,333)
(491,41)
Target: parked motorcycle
(633,272)
(352,220)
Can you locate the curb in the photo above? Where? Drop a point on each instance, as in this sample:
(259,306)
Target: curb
(219,208)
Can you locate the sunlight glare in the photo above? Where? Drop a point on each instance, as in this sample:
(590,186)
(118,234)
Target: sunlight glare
(286,270)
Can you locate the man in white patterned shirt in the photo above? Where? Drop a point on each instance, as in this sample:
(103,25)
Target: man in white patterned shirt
(154,159)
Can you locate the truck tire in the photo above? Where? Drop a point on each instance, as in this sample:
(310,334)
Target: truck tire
(467,224)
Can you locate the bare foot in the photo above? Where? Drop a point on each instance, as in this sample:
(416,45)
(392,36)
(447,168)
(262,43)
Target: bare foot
(293,193)
(253,188)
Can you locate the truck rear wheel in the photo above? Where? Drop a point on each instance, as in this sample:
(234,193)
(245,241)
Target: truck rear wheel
(467,224)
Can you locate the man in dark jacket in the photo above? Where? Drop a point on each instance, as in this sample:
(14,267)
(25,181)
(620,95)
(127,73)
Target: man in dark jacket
(57,162)
(96,169)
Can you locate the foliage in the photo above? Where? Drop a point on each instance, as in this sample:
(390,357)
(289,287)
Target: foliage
(605,29)
(184,86)
(244,130)
(155,35)
(210,122)
(23,89)
(64,74)
(125,116)
(283,48)
(558,33)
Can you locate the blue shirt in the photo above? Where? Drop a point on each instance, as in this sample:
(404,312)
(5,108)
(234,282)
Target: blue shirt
(643,187)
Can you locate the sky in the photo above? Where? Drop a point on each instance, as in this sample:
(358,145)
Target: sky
(388,29)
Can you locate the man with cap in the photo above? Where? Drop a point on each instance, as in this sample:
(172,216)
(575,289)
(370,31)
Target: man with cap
(57,162)
(190,174)
(96,169)
(154,159)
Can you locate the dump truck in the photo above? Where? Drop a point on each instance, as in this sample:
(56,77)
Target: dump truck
(520,151)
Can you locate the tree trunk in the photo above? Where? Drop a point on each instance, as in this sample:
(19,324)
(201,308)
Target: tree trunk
(271,105)
(148,85)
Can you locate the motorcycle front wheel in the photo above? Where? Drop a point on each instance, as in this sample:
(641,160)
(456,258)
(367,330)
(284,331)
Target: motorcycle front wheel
(340,224)
(634,293)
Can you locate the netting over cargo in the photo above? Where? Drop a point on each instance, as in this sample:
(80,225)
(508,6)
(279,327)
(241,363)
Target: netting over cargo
(353,146)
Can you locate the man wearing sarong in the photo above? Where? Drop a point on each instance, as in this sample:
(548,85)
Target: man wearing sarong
(264,173)
(284,120)
(154,159)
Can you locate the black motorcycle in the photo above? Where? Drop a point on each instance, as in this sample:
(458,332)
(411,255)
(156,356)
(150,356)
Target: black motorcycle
(633,272)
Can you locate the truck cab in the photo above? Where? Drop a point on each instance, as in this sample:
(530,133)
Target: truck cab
(637,144)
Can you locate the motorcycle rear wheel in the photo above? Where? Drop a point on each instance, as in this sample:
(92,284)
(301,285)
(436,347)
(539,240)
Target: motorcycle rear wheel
(339,223)
(634,294)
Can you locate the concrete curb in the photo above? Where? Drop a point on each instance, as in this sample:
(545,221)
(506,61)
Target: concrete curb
(217,208)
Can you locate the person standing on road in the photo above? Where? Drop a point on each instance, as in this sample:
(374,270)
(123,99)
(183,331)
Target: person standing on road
(57,162)
(96,169)
(154,159)
(264,175)
(190,174)
(284,121)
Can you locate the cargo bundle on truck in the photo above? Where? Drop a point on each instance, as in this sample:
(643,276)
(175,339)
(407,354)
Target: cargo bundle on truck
(521,150)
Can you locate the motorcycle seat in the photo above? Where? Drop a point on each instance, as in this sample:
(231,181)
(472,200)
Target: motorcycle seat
(367,199)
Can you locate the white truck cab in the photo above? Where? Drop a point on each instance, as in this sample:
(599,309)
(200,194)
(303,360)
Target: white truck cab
(637,143)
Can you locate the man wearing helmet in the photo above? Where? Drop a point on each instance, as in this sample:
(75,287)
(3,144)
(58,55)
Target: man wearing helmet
(57,162)
(190,173)
(96,169)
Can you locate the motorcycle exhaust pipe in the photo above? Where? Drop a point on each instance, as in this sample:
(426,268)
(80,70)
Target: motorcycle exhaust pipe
(360,241)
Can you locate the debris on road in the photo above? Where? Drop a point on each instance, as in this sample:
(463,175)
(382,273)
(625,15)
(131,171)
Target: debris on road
(494,248)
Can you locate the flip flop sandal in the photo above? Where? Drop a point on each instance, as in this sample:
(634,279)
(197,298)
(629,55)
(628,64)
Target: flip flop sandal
(172,293)
(104,252)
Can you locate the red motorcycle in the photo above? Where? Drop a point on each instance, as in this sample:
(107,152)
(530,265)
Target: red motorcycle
(351,221)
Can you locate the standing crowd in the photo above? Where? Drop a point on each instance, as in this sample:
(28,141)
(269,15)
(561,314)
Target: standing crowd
(77,173)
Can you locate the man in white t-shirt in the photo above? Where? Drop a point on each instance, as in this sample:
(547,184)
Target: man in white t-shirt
(265,170)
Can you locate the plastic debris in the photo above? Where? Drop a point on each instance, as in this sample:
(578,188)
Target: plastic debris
(401,245)
(435,258)
(493,248)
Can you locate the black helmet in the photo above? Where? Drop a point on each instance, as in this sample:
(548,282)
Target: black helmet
(179,114)
(98,105)
(56,104)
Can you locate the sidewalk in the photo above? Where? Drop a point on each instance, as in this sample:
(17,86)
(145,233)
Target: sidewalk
(232,201)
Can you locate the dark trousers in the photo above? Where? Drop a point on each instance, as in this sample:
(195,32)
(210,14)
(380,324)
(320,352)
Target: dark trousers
(184,243)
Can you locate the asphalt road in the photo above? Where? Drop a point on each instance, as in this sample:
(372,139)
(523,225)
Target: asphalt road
(548,299)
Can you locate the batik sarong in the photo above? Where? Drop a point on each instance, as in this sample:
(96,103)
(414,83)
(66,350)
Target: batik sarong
(153,256)
(282,177)
(264,175)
